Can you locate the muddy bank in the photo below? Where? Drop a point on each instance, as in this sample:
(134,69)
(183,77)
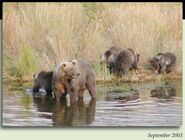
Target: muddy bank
(133,77)
(140,77)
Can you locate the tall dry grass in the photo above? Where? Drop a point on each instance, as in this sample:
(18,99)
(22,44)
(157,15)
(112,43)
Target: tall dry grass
(148,28)
(60,31)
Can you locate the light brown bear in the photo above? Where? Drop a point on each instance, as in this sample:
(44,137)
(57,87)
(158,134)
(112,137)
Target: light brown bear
(76,76)
(43,80)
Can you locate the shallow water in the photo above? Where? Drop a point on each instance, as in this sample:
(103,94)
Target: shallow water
(22,110)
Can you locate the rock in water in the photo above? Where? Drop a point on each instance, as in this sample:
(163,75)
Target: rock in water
(163,92)
(122,95)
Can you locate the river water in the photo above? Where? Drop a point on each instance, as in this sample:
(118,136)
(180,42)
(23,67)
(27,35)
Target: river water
(22,110)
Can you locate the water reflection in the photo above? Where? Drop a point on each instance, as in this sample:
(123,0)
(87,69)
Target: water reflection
(151,104)
(78,114)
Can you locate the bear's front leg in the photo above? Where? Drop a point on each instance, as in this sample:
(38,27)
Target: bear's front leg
(68,100)
(73,95)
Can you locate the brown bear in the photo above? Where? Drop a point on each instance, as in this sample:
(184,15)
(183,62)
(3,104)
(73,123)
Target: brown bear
(109,57)
(126,60)
(42,80)
(135,64)
(163,62)
(155,64)
(59,90)
(76,75)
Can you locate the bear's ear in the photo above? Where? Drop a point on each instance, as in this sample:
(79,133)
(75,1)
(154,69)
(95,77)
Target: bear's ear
(74,62)
(63,65)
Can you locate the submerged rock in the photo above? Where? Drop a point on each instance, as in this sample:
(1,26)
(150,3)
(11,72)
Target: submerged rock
(122,95)
(163,92)
(42,92)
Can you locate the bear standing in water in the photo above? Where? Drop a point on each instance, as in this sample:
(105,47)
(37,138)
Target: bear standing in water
(163,62)
(76,76)
(109,57)
(42,80)
(126,60)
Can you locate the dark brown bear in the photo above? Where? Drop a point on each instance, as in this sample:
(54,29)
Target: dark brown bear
(126,60)
(163,62)
(155,64)
(135,64)
(42,80)
(109,57)
(76,75)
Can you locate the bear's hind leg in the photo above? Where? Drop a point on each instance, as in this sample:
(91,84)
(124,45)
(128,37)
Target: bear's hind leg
(91,87)
(80,93)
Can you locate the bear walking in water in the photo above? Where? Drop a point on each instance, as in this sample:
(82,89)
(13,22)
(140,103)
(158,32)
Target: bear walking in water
(76,75)
(109,57)
(42,80)
(126,60)
(163,62)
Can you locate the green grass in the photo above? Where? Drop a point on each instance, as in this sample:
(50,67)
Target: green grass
(26,64)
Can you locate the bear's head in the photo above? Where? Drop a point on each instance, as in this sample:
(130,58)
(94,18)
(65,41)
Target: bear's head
(155,64)
(69,70)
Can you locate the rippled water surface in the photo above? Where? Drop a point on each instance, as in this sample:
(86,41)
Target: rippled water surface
(21,109)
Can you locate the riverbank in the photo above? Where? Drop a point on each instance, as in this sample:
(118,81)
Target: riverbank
(141,76)
(132,77)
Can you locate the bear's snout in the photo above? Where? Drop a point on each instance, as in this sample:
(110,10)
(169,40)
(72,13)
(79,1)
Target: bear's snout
(75,75)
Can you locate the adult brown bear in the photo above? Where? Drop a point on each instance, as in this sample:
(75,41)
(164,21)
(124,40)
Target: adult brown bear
(109,57)
(76,75)
(127,59)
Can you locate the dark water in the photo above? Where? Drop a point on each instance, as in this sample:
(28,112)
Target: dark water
(21,109)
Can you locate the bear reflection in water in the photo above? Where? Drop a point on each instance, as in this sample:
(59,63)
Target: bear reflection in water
(78,114)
